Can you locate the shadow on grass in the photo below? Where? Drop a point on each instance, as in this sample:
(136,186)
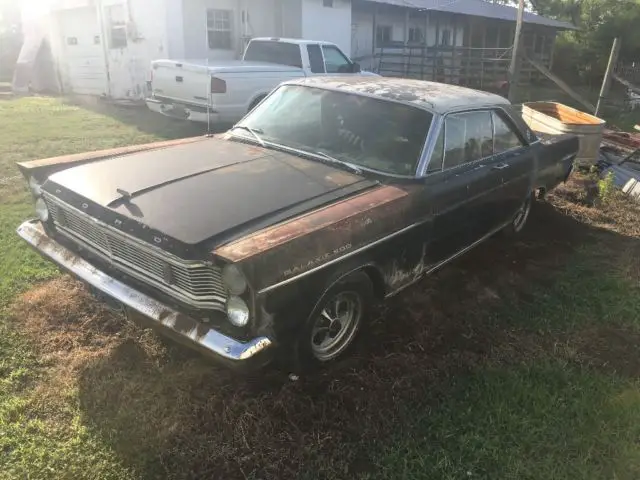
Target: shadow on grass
(419,395)
(144,119)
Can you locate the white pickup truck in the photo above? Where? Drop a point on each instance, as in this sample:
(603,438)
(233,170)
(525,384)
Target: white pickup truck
(224,92)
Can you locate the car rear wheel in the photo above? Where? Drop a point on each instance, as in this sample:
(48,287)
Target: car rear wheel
(520,218)
(335,322)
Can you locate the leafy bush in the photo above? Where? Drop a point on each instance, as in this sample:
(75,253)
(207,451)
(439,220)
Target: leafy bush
(606,188)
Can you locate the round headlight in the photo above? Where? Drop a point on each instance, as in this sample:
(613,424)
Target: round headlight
(35,187)
(237,311)
(41,210)
(234,280)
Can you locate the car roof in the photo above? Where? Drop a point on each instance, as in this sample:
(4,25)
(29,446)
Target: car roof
(436,97)
(297,41)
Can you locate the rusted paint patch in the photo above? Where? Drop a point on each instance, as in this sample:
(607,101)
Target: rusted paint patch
(437,96)
(397,276)
(285,232)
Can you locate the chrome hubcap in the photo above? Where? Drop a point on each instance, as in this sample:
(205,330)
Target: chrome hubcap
(522,215)
(336,325)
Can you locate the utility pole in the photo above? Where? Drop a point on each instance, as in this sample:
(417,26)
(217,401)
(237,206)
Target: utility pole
(514,68)
(606,83)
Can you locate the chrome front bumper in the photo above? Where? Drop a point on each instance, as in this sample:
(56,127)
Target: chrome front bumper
(193,333)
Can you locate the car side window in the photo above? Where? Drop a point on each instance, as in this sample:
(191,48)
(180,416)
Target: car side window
(469,137)
(504,137)
(334,60)
(437,157)
(315,58)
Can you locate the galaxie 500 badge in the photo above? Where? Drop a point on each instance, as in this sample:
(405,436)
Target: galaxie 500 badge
(325,257)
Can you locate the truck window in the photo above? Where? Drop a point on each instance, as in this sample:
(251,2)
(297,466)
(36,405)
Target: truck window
(315,58)
(274,52)
(335,61)
(504,137)
(469,137)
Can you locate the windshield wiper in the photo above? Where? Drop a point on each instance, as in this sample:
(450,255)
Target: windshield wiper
(252,132)
(350,166)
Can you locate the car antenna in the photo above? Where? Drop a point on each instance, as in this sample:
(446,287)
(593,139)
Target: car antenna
(209,99)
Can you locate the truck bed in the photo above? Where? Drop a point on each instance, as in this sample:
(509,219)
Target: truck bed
(231,66)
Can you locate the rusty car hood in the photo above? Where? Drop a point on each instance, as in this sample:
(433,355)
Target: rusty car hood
(214,189)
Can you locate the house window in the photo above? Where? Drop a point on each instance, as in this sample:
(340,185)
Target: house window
(416,35)
(383,34)
(327,3)
(117,25)
(219,29)
(72,41)
(445,39)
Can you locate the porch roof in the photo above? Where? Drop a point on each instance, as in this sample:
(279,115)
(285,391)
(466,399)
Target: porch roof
(478,8)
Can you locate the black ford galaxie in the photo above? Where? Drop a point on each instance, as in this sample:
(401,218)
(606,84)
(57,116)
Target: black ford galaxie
(276,237)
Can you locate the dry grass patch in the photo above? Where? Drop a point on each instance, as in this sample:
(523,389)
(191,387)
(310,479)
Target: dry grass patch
(515,313)
(579,199)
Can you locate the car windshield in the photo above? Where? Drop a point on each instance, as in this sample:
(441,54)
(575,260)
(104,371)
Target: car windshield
(370,133)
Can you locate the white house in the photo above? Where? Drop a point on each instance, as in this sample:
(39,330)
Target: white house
(104,47)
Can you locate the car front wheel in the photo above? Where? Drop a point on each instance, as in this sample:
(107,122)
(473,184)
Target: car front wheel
(335,322)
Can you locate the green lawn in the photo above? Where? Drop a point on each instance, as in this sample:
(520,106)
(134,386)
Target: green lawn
(519,361)
(49,444)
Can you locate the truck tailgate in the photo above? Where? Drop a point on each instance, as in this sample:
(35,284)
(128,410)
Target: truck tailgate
(187,83)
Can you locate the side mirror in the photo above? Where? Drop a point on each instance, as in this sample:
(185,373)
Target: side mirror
(355,67)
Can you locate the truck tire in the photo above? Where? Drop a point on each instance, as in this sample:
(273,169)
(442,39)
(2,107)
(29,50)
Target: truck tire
(255,103)
(334,323)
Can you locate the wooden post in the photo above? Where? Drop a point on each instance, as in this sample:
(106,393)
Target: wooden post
(467,69)
(454,60)
(482,52)
(552,52)
(425,44)
(606,83)
(406,26)
(514,69)
(434,57)
(407,61)
(373,40)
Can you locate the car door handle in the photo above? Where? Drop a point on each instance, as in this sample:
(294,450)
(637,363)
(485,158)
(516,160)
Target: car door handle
(501,166)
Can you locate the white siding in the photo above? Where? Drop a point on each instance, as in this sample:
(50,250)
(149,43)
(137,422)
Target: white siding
(196,45)
(80,45)
(262,18)
(291,18)
(331,24)
(129,67)
(362,39)
(174,21)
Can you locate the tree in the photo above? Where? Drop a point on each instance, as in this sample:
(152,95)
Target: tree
(10,37)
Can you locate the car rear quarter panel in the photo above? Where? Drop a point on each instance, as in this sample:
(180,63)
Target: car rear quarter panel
(556,154)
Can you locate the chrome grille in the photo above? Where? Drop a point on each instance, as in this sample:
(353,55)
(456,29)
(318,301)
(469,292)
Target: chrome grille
(195,283)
